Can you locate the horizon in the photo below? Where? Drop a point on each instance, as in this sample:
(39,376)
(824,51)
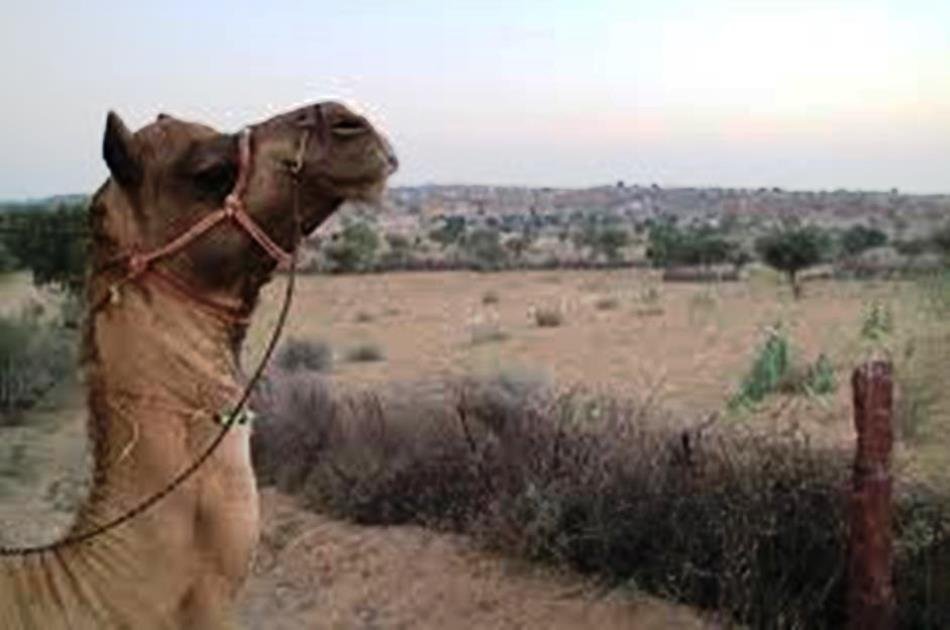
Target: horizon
(593,186)
(807,95)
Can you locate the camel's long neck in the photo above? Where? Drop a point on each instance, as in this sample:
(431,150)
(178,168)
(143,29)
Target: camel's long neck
(157,370)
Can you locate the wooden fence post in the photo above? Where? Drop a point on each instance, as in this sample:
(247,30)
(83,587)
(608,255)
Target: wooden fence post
(871,604)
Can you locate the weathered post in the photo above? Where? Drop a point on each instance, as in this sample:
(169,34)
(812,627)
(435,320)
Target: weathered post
(870,578)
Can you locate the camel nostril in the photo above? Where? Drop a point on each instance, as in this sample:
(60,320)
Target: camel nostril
(349,127)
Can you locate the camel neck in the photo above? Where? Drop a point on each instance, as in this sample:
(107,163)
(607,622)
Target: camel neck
(158,371)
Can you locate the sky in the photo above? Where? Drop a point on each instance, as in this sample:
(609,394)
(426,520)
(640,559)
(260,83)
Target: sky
(800,94)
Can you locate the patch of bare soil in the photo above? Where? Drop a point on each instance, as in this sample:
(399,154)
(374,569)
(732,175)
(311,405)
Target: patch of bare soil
(316,572)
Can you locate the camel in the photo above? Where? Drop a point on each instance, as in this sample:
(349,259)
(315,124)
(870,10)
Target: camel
(169,294)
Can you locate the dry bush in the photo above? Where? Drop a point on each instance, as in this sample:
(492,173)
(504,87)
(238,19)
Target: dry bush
(548,317)
(304,354)
(35,355)
(365,352)
(363,317)
(751,525)
(607,303)
(491,297)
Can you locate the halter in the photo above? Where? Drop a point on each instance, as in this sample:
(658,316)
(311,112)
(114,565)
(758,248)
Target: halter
(234,211)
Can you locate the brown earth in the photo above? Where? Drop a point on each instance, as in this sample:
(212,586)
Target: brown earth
(315,572)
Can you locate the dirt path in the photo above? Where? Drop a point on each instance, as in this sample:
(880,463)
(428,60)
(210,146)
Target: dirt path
(315,572)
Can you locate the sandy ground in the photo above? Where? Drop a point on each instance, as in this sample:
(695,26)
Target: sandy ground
(314,572)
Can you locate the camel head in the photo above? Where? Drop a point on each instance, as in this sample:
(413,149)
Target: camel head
(171,173)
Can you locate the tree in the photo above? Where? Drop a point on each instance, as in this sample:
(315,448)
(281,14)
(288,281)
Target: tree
(52,242)
(8,261)
(912,248)
(449,232)
(941,241)
(399,250)
(484,250)
(354,249)
(609,241)
(670,245)
(518,245)
(602,238)
(860,238)
(792,249)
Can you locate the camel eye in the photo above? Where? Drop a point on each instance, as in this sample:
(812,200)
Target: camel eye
(216,179)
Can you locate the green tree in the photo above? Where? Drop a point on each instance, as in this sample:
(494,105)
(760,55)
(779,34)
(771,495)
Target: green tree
(354,249)
(941,241)
(484,250)
(860,238)
(609,241)
(912,248)
(399,250)
(793,248)
(8,262)
(51,242)
(671,245)
(518,245)
(601,237)
(451,231)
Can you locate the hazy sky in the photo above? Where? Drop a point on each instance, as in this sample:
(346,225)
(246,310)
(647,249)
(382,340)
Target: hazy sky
(799,94)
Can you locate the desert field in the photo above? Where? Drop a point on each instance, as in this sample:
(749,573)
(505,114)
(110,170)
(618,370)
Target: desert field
(684,346)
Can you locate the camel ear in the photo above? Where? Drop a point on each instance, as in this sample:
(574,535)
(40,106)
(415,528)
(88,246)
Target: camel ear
(119,152)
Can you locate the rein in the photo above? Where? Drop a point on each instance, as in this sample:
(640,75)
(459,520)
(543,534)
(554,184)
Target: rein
(138,266)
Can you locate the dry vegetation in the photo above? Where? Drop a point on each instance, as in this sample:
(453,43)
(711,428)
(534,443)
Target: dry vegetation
(751,507)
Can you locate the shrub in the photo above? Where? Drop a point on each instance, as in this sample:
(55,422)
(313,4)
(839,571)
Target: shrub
(770,367)
(860,238)
(602,240)
(751,525)
(607,303)
(941,241)
(365,352)
(484,250)
(8,261)
(671,245)
(878,322)
(548,317)
(363,317)
(491,297)
(16,467)
(354,248)
(820,377)
(34,356)
(774,370)
(305,354)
